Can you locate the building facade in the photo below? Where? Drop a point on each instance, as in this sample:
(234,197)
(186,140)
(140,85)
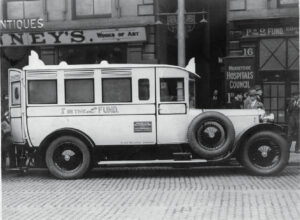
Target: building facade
(263,51)
(76,31)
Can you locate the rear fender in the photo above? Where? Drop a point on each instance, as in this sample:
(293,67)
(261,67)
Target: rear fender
(247,133)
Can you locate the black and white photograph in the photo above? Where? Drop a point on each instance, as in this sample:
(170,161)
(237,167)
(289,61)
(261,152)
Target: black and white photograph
(150,109)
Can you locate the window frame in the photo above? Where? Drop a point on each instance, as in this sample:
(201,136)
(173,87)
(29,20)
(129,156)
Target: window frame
(183,89)
(34,80)
(65,90)
(4,10)
(77,17)
(243,9)
(143,100)
(288,5)
(113,78)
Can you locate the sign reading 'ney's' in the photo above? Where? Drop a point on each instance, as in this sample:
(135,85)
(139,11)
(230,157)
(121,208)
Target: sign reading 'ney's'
(239,74)
(73,37)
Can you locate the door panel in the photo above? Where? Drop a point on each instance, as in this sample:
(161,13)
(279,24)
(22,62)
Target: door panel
(172,96)
(15,108)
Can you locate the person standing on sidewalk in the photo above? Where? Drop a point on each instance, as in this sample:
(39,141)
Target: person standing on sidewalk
(253,103)
(293,122)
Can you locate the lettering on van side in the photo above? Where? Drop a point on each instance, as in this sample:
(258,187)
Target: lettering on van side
(90,110)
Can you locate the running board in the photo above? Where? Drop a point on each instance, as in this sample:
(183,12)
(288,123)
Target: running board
(150,162)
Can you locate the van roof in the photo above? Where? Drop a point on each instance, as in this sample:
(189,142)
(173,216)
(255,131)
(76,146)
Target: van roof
(36,64)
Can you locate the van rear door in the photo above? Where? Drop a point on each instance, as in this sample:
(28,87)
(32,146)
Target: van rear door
(15,105)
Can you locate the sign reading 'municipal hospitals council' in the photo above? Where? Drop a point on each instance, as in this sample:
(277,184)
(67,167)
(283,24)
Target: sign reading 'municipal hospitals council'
(73,37)
(239,74)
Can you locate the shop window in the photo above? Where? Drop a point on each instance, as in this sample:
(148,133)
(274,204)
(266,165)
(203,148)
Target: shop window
(79,90)
(16,93)
(272,54)
(274,100)
(21,9)
(287,3)
(293,54)
(144,90)
(42,92)
(92,8)
(235,5)
(171,89)
(116,90)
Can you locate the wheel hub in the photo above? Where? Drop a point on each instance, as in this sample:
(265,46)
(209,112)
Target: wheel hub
(264,150)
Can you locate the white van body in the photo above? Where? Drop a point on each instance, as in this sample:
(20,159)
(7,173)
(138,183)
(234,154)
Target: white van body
(113,105)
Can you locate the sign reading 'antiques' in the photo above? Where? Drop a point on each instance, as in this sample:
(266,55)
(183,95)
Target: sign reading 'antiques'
(239,74)
(73,37)
(22,24)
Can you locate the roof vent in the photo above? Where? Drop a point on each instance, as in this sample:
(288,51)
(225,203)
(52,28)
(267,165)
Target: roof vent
(104,63)
(34,61)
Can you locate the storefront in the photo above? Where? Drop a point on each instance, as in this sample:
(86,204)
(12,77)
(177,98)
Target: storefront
(116,45)
(273,48)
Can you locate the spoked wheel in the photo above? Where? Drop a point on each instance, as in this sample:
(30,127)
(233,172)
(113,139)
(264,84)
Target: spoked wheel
(265,153)
(68,157)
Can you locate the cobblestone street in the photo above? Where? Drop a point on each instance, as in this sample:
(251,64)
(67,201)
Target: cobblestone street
(153,193)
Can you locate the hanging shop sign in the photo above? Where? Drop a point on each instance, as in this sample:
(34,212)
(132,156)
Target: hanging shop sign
(271,31)
(73,37)
(239,74)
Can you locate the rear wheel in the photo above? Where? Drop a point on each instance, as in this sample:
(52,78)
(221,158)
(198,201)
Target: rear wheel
(68,157)
(265,153)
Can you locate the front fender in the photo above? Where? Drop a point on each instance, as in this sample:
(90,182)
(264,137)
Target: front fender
(248,132)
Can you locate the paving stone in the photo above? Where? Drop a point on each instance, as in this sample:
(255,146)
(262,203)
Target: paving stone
(153,193)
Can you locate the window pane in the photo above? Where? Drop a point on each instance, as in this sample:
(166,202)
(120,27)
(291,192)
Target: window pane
(281,116)
(116,90)
(281,103)
(273,90)
(102,7)
(42,92)
(281,91)
(274,103)
(237,5)
(15,10)
(79,90)
(144,92)
(16,93)
(192,94)
(267,90)
(84,7)
(33,9)
(171,89)
(267,103)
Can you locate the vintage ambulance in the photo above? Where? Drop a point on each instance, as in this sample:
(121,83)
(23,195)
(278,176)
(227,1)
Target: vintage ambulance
(71,118)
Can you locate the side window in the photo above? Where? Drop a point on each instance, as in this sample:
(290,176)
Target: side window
(171,89)
(116,90)
(42,92)
(192,95)
(79,90)
(144,89)
(16,93)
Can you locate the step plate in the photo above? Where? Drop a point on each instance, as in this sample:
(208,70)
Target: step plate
(150,162)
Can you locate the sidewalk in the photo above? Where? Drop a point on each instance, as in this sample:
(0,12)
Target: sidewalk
(294,158)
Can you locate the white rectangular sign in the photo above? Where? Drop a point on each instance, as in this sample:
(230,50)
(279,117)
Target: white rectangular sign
(73,37)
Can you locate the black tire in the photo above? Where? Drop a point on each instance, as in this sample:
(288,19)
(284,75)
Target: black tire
(210,145)
(265,153)
(68,157)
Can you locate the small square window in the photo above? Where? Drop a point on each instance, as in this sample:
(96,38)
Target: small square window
(171,89)
(42,92)
(116,90)
(79,90)
(144,90)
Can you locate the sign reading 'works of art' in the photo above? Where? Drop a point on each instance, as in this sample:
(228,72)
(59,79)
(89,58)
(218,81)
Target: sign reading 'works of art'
(73,37)
(239,74)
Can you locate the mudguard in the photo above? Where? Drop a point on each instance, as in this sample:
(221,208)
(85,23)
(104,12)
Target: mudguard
(248,132)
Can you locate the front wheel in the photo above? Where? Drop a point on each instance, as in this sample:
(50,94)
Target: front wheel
(265,153)
(67,157)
